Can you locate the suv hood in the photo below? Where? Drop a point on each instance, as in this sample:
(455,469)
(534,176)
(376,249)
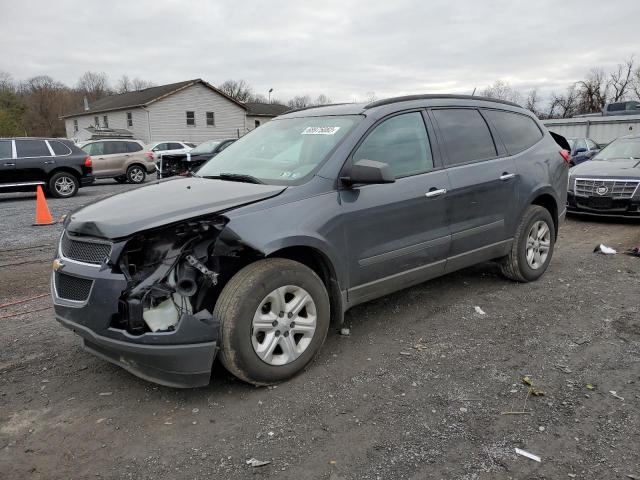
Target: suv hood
(604,168)
(162,203)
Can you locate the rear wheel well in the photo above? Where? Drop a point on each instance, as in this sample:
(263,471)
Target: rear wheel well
(321,265)
(63,169)
(547,201)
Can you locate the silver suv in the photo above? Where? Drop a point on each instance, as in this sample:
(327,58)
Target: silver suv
(122,160)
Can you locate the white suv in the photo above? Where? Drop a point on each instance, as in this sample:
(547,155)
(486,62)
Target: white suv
(157,149)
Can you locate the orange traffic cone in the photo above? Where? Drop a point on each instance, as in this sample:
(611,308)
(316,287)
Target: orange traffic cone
(43,215)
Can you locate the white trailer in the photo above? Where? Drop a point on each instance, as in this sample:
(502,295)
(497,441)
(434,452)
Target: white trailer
(601,129)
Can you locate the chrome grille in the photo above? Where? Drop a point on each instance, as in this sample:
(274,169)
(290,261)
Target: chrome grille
(618,189)
(84,249)
(72,288)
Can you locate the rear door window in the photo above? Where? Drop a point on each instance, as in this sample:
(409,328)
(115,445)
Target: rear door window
(174,146)
(114,148)
(32,148)
(133,147)
(465,135)
(579,143)
(401,142)
(6,151)
(59,148)
(517,131)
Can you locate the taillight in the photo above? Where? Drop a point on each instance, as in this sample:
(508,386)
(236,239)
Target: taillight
(87,161)
(566,155)
(149,155)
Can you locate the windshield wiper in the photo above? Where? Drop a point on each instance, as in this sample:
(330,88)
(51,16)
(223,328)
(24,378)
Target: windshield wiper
(235,177)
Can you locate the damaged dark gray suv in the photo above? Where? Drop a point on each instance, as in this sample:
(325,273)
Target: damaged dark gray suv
(254,256)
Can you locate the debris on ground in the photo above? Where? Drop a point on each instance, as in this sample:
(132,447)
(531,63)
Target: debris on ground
(603,249)
(634,252)
(479,311)
(105,394)
(615,394)
(405,353)
(253,462)
(524,453)
(345,332)
(590,386)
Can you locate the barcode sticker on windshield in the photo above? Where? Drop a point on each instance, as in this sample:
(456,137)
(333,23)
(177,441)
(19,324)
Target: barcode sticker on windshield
(320,130)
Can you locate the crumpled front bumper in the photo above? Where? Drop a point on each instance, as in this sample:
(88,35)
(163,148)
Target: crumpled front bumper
(179,358)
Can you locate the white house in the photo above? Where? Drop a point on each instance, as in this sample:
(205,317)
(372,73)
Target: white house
(192,111)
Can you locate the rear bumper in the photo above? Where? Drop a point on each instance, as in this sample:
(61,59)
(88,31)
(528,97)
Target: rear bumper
(87,180)
(181,366)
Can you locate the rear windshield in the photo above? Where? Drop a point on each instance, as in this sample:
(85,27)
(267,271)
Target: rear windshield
(282,151)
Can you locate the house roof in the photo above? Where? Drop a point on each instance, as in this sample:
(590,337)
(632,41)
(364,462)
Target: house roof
(142,98)
(109,133)
(265,109)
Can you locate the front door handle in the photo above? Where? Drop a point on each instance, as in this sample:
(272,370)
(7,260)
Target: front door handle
(9,164)
(435,192)
(49,162)
(507,176)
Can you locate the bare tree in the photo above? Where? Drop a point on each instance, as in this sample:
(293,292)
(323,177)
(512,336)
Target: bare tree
(237,89)
(592,92)
(94,85)
(501,90)
(6,82)
(140,84)
(123,85)
(45,100)
(563,105)
(300,101)
(370,97)
(636,83)
(621,80)
(322,99)
(532,101)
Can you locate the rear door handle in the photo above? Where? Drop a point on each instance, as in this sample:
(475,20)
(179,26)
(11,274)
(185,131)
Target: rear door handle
(507,176)
(49,162)
(435,192)
(9,164)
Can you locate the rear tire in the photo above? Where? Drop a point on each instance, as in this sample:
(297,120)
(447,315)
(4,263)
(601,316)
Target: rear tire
(532,247)
(251,324)
(63,185)
(136,174)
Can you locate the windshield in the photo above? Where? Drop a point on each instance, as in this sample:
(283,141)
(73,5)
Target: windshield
(622,148)
(206,147)
(281,151)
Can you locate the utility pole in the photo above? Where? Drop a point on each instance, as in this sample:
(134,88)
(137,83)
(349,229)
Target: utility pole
(270,90)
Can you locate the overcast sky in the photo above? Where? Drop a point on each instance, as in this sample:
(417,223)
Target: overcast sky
(341,48)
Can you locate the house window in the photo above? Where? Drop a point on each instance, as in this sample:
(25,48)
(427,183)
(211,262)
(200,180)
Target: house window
(211,119)
(75,126)
(129,119)
(105,121)
(96,122)
(257,123)
(191,118)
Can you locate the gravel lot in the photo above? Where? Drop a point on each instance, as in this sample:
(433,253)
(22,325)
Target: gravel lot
(417,390)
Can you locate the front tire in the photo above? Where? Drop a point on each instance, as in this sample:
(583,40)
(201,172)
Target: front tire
(63,185)
(136,174)
(274,317)
(532,247)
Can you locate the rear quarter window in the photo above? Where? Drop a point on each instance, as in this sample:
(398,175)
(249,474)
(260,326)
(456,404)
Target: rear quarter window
(59,148)
(133,147)
(518,132)
(32,148)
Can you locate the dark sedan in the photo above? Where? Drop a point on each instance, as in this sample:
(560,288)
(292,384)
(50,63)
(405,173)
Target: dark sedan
(185,163)
(608,183)
(582,149)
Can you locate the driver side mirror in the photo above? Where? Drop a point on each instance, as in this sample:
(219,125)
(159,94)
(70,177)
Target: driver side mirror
(369,172)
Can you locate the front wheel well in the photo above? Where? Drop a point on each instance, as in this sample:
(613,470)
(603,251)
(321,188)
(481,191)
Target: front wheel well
(547,201)
(321,265)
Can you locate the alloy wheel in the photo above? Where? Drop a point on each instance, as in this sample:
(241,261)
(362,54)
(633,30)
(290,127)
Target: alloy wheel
(64,186)
(283,325)
(136,175)
(538,244)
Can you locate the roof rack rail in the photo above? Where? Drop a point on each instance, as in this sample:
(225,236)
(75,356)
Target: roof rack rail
(432,96)
(314,106)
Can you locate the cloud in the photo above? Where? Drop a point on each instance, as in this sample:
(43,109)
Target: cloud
(341,48)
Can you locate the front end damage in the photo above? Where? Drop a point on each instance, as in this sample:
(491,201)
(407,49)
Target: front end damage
(147,303)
